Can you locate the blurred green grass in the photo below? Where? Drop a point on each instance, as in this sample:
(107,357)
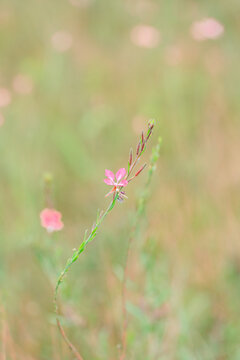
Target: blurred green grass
(87,107)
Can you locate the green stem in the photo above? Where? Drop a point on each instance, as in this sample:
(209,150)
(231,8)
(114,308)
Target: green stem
(74,258)
(140,210)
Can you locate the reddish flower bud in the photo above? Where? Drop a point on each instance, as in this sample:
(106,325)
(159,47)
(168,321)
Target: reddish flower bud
(130,157)
(151,124)
(140,170)
(138,148)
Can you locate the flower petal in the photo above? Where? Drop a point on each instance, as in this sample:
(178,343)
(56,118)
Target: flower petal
(120,174)
(123,183)
(51,220)
(108,181)
(109,174)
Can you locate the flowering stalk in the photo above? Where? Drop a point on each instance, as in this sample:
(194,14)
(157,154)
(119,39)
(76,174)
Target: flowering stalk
(141,206)
(119,195)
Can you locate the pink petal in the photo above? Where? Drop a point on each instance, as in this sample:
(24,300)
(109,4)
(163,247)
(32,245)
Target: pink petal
(123,183)
(108,181)
(109,174)
(51,220)
(120,174)
(145,36)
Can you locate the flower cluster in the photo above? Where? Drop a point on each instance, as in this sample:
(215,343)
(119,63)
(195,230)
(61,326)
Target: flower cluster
(123,177)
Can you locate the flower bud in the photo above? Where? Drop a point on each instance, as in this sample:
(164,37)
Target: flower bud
(151,124)
(48,178)
(138,148)
(140,170)
(130,157)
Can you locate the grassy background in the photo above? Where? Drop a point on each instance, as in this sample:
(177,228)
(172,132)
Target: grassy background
(87,107)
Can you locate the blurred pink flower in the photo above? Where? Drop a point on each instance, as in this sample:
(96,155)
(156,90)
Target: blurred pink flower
(51,220)
(208,28)
(5,97)
(120,181)
(145,36)
(22,84)
(62,41)
(1,120)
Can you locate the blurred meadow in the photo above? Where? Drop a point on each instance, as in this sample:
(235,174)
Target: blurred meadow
(79,80)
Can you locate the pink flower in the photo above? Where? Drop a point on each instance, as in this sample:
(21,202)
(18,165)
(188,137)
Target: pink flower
(62,41)
(145,36)
(208,28)
(51,220)
(119,182)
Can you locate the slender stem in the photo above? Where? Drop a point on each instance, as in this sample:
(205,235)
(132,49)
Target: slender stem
(141,205)
(69,263)
(68,342)
(133,165)
(124,297)
(92,235)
